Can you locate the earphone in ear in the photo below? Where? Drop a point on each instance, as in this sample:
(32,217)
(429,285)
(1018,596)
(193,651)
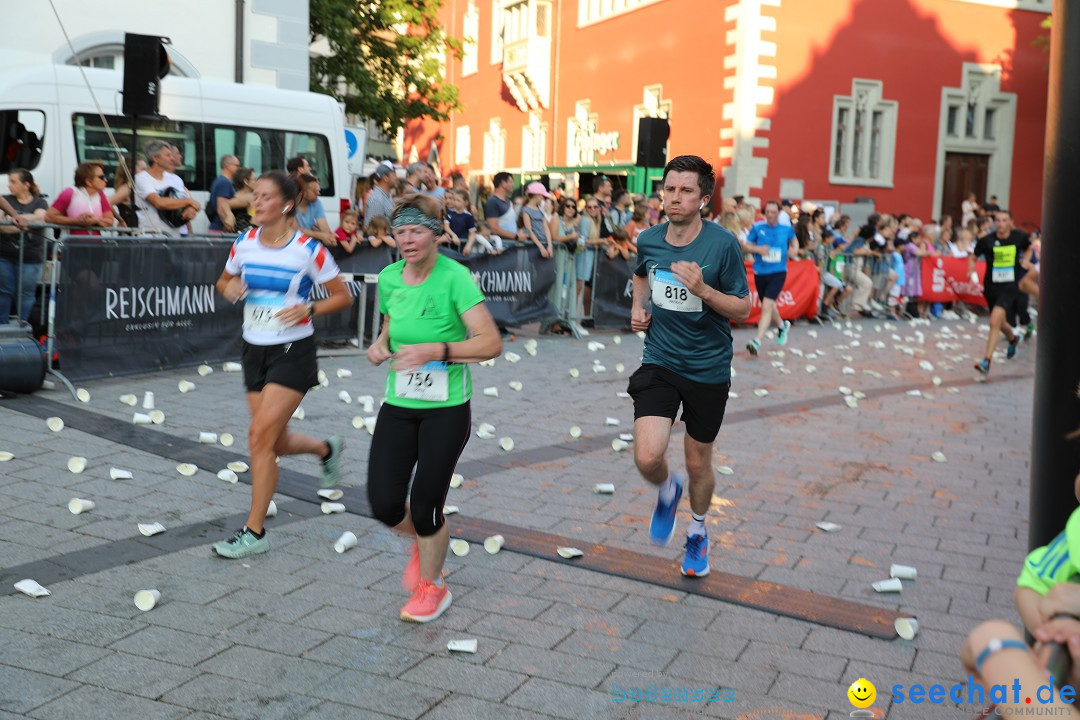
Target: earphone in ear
(701,206)
(287,209)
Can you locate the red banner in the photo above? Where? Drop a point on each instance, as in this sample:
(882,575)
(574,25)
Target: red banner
(800,296)
(948,279)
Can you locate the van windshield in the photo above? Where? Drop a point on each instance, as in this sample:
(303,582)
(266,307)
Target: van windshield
(22,133)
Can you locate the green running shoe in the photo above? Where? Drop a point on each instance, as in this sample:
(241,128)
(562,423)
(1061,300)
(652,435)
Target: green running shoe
(331,466)
(242,544)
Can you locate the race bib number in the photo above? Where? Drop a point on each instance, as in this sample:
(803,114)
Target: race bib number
(1003,274)
(1004,268)
(669,293)
(261,317)
(430,382)
(774,256)
(840,265)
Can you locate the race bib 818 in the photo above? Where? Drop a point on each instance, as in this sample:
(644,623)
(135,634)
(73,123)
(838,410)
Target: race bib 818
(669,293)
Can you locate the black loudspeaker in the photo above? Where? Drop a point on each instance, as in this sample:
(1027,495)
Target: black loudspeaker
(22,361)
(145,63)
(652,140)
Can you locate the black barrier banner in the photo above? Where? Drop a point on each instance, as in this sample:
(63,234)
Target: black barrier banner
(142,304)
(343,325)
(613,291)
(515,284)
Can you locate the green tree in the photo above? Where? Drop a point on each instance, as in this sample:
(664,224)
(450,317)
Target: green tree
(385,59)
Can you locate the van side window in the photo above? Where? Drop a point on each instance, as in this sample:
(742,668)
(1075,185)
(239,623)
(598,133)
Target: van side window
(92,143)
(317,151)
(262,149)
(22,133)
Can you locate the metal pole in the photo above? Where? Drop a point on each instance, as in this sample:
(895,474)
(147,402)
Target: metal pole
(1057,365)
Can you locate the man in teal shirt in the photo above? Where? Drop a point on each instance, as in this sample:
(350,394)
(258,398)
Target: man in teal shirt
(690,281)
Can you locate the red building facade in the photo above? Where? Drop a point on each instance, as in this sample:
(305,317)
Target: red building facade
(909,103)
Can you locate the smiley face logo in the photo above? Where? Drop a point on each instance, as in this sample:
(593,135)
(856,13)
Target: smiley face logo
(862,693)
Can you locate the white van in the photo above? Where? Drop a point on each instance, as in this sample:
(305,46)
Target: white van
(49,124)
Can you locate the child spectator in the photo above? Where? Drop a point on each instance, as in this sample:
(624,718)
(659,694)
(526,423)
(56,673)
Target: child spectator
(897,278)
(348,235)
(460,223)
(620,245)
(378,232)
(639,223)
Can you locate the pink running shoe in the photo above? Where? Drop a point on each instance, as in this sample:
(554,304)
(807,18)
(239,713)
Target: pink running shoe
(411,576)
(428,602)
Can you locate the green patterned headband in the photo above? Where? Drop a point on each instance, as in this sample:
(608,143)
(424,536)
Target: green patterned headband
(415,216)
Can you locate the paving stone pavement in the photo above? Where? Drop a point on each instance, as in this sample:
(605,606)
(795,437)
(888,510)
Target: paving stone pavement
(305,632)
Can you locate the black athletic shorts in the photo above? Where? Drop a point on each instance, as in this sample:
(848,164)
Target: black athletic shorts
(1007,299)
(291,364)
(769,286)
(658,392)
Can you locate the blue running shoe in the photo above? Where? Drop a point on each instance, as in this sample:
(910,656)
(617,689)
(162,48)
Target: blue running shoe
(983,366)
(1012,346)
(662,526)
(781,336)
(696,563)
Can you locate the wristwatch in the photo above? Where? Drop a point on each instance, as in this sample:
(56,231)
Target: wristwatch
(311,309)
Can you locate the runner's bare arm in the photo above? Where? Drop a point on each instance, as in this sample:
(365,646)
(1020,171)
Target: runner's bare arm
(639,315)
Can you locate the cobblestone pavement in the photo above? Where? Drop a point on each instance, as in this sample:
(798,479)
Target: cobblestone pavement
(305,632)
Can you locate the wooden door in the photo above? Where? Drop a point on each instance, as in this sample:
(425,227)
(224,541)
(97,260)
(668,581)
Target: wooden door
(964,173)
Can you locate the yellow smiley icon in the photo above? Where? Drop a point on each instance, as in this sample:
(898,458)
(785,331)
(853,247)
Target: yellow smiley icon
(862,693)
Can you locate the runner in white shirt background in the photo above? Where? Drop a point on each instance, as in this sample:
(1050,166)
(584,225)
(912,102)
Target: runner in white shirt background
(273,269)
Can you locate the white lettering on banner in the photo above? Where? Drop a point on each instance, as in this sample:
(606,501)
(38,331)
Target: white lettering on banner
(591,142)
(501,281)
(132,303)
(628,291)
(938,282)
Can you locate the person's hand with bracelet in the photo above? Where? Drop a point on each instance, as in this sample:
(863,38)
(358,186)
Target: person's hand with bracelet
(989,640)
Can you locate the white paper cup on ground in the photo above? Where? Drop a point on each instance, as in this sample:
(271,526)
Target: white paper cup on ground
(83,395)
(76,464)
(907,628)
(604,488)
(512,357)
(506,443)
(611,421)
(55,424)
(575,432)
(238,466)
(330,494)
(486,428)
(449,509)
(569,553)
(298,413)
(494,544)
(370,422)
(725,470)
(456,479)
(358,422)
(145,600)
(118,474)
(187,469)
(205,370)
(148,400)
(208,438)
(332,508)
(77,506)
(228,476)
(618,445)
(346,541)
(5,456)
(150,529)
(232,367)
(271,510)
(938,457)
(324,381)
(828,526)
(345,397)
(141,419)
(890,585)
(343,373)
(157,417)
(31,588)
(129,400)
(226,440)
(185,386)
(574,372)
(903,572)
(459,547)
(515,385)
(491,391)
(462,646)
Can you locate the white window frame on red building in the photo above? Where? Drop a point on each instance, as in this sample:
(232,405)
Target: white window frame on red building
(591,12)
(863,154)
(495,147)
(470,59)
(534,143)
(462,145)
(1044,6)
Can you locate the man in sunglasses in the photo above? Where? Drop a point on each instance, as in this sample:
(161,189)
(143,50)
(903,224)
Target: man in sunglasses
(690,282)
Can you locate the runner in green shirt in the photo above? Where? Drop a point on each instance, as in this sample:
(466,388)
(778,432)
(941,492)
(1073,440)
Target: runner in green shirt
(435,321)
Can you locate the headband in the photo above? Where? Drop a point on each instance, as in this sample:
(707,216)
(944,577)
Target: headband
(415,216)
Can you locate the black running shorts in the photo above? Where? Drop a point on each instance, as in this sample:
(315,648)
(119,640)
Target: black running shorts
(769,286)
(1008,300)
(292,365)
(658,392)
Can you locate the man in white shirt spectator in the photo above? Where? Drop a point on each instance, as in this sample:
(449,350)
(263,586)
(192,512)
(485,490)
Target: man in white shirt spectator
(380,202)
(159,190)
